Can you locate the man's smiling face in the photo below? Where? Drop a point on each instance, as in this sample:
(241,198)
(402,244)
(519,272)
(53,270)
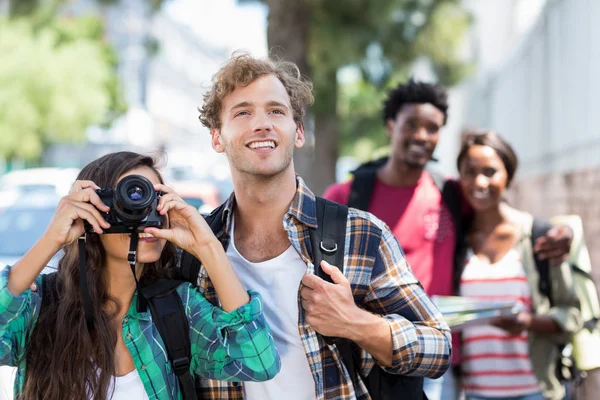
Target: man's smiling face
(415,133)
(258,132)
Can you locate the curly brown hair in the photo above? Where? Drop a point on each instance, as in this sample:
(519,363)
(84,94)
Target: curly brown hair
(241,70)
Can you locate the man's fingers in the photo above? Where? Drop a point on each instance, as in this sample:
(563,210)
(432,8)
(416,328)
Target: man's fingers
(305,293)
(311,281)
(334,272)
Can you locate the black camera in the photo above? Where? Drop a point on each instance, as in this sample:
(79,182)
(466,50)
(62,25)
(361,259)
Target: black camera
(132,206)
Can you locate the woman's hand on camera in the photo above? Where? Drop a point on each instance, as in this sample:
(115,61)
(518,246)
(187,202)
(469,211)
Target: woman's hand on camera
(186,226)
(83,203)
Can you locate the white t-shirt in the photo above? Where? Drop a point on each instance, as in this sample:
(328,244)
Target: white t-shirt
(129,387)
(278,280)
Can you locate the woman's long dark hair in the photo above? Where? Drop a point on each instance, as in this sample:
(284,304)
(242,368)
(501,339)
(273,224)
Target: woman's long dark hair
(64,359)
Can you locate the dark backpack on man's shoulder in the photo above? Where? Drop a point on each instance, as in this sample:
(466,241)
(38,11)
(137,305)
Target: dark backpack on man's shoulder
(328,242)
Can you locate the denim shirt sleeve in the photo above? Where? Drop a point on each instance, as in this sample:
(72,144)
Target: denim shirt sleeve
(231,346)
(17,314)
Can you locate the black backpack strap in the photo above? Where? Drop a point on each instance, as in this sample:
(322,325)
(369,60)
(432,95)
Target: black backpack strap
(328,242)
(361,188)
(169,318)
(189,266)
(329,239)
(539,229)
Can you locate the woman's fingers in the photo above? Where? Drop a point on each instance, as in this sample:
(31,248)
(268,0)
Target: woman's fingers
(166,234)
(165,198)
(83,184)
(89,195)
(77,212)
(94,211)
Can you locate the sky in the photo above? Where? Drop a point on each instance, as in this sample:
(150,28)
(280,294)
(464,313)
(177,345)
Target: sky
(224,23)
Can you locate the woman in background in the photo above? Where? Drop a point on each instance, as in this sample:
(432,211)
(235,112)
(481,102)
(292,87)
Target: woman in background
(514,357)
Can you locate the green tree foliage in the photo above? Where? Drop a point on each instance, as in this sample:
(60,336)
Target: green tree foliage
(55,81)
(390,36)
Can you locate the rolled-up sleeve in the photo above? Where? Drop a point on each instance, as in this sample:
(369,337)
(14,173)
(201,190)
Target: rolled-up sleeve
(565,310)
(420,336)
(16,316)
(231,346)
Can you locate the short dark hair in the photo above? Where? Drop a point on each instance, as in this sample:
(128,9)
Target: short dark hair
(416,93)
(495,141)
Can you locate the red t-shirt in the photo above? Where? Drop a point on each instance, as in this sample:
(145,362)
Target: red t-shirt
(422,224)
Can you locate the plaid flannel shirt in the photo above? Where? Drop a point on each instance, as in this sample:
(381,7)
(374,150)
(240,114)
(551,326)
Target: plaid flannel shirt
(232,346)
(382,283)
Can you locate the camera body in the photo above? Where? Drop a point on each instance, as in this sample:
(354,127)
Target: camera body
(132,206)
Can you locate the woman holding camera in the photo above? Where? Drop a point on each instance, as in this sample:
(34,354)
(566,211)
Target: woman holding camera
(122,356)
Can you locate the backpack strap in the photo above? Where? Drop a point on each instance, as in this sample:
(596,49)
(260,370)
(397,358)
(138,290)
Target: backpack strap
(361,188)
(189,266)
(539,229)
(329,238)
(328,242)
(171,321)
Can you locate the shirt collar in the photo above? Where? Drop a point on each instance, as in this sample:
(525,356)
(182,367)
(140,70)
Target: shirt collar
(303,207)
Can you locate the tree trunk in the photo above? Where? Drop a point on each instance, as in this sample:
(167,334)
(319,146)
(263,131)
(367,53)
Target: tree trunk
(288,36)
(287,31)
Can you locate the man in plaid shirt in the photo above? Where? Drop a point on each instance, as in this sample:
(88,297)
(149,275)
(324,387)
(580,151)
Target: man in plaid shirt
(254,111)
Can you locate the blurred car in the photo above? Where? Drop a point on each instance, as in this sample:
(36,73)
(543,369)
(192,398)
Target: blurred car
(23,223)
(202,195)
(16,184)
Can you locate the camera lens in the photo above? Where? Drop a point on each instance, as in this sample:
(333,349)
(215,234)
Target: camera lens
(135,193)
(133,198)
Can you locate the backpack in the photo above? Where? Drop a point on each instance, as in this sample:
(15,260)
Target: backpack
(581,353)
(327,242)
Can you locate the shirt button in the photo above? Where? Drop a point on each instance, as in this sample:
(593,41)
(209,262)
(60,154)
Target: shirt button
(126,320)
(129,336)
(143,368)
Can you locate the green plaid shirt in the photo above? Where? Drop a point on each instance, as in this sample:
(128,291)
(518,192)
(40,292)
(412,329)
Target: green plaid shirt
(231,346)
(382,283)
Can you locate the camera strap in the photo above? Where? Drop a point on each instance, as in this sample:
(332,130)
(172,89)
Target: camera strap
(141,305)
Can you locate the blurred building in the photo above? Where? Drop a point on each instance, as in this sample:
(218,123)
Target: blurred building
(536,85)
(164,68)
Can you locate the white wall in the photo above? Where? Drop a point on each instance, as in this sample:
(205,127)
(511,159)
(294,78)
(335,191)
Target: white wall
(543,97)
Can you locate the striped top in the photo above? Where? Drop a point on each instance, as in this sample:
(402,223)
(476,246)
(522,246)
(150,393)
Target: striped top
(496,363)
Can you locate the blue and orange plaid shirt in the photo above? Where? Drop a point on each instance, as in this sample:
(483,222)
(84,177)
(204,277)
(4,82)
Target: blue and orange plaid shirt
(382,283)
